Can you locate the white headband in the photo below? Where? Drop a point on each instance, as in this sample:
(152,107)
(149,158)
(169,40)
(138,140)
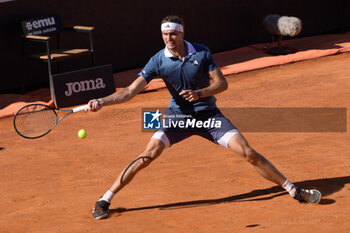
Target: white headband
(172,26)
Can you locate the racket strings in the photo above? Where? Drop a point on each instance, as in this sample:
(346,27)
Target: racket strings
(35,121)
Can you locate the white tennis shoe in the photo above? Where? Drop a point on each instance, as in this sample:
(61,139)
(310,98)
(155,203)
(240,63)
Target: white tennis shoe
(308,195)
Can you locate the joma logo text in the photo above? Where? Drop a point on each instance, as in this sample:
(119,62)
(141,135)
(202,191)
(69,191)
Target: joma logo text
(86,85)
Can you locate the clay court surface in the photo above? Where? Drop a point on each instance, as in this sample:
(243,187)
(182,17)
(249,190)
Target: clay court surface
(51,184)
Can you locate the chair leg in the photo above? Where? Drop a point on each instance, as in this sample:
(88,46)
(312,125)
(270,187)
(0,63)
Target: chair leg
(92,52)
(52,88)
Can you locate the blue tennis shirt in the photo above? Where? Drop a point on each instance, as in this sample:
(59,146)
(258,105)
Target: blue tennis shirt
(178,75)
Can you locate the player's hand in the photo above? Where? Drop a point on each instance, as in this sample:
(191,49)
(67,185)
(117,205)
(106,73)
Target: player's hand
(190,95)
(94,105)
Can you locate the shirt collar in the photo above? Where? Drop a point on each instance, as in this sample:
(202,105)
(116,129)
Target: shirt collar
(190,50)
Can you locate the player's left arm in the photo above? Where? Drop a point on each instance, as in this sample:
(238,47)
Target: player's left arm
(217,85)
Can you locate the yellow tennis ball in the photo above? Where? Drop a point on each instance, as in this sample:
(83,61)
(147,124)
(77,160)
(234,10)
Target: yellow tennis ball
(82,133)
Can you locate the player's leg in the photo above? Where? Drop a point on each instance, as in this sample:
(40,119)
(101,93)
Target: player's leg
(238,144)
(153,149)
(230,137)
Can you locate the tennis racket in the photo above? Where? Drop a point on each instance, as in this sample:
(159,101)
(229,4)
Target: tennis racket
(36,120)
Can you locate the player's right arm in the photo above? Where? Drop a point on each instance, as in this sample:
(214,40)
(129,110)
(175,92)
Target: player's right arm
(120,96)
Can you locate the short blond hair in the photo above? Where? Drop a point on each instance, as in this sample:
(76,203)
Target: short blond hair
(173,19)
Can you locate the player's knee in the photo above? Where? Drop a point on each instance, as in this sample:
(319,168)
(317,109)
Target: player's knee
(153,150)
(251,156)
(148,156)
(144,160)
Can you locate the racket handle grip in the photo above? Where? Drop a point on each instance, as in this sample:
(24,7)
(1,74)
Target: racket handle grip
(80,108)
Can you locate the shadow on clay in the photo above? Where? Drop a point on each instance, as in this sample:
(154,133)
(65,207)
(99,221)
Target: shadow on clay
(327,187)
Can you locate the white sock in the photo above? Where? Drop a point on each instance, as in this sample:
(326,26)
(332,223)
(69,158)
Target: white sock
(289,187)
(107,197)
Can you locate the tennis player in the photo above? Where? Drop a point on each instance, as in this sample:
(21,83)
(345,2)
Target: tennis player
(186,69)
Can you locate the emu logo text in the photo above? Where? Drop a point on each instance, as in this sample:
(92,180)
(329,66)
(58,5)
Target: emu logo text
(86,85)
(40,23)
